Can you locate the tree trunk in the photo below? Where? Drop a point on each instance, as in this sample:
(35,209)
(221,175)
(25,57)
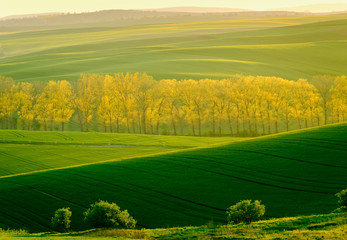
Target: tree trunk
(230,125)
(250,126)
(268,123)
(255,123)
(139,120)
(144,122)
(263,125)
(133,125)
(220,127)
(199,123)
(173,125)
(287,122)
(213,125)
(80,119)
(238,126)
(276,123)
(325,112)
(158,125)
(193,127)
(86,126)
(128,124)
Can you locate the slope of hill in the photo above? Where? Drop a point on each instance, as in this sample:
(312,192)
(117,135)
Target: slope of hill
(24,152)
(329,7)
(293,174)
(291,48)
(25,16)
(194,9)
(117,17)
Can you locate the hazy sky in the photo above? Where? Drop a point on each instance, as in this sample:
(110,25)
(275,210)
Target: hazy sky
(12,7)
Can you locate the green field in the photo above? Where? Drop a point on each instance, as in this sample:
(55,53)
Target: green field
(23,152)
(285,47)
(292,173)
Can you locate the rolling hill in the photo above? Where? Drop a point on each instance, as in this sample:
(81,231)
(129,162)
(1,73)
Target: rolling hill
(193,9)
(329,7)
(25,152)
(292,173)
(289,47)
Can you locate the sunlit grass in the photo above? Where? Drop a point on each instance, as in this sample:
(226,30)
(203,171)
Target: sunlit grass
(330,226)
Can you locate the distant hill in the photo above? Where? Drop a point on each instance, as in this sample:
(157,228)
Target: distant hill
(199,9)
(333,7)
(30,16)
(112,18)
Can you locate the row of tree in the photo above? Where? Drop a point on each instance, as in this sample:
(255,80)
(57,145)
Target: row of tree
(241,105)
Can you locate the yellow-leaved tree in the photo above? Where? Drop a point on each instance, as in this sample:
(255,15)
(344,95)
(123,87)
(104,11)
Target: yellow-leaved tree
(85,98)
(9,101)
(26,110)
(63,102)
(339,99)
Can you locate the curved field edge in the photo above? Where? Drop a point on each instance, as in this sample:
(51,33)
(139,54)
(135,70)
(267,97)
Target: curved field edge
(107,139)
(27,152)
(329,226)
(293,174)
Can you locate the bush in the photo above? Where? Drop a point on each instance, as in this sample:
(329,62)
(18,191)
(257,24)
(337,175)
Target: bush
(108,215)
(245,211)
(61,220)
(342,196)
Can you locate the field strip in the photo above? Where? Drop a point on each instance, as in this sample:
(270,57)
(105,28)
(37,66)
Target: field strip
(119,159)
(314,144)
(292,159)
(88,145)
(46,193)
(181,150)
(267,173)
(248,180)
(168,195)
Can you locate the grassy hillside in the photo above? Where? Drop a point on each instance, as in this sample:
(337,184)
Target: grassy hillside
(288,47)
(293,174)
(23,152)
(115,18)
(108,139)
(330,226)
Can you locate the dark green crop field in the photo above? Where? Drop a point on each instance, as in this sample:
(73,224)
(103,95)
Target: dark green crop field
(295,173)
(291,48)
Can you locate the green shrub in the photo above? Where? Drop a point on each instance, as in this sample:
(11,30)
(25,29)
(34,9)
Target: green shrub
(245,211)
(108,215)
(61,220)
(342,198)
